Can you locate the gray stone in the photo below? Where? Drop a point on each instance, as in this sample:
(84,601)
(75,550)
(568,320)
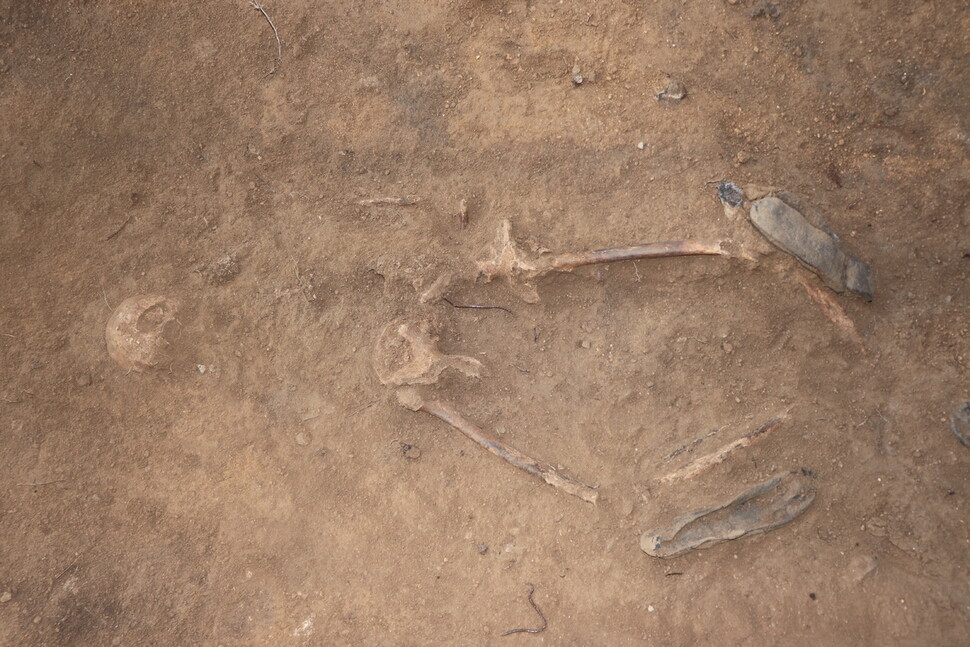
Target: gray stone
(960,424)
(674,92)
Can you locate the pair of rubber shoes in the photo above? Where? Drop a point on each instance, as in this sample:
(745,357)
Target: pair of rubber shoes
(803,234)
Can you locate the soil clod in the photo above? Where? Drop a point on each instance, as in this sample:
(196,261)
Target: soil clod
(138,332)
(220,271)
(765,9)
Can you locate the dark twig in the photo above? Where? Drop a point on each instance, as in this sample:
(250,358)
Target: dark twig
(42,483)
(545,623)
(30,394)
(119,229)
(63,571)
(279,45)
(455,305)
(359,409)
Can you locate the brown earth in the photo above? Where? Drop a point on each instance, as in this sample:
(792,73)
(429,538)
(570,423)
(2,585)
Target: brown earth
(269,500)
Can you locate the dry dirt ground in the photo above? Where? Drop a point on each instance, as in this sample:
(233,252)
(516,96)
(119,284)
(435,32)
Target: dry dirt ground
(269,500)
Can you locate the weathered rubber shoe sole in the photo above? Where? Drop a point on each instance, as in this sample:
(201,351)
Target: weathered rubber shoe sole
(817,248)
(760,509)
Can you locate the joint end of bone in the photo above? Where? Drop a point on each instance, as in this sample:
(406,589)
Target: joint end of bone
(410,398)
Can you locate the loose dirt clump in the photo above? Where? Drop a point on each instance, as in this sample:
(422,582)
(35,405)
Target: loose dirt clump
(139,332)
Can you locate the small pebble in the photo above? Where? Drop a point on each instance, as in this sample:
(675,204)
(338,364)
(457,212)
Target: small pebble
(200,368)
(767,9)
(640,145)
(727,347)
(577,75)
(730,193)
(302,440)
(626,507)
(481,548)
(674,92)
(83,380)
(410,452)
(860,566)
(650,608)
(5,597)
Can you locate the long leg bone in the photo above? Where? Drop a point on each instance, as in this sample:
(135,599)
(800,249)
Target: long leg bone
(705,463)
(521,268)
(831,309)
(411,399)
